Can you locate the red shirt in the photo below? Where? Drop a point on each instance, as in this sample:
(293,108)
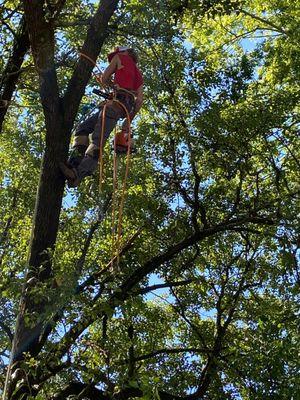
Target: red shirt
(129,77)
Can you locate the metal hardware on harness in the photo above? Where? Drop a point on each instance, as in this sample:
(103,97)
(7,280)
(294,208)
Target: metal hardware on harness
(101,94)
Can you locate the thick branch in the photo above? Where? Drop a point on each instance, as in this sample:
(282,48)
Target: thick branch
(12,69)
(96,35)
(155,353)
(59,119)
(92,393)
(172,251)
(163,286)
(277,28)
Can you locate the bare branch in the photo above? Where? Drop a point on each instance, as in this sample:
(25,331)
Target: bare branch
(277,28)
(11,71)
(155,353)
(163,285)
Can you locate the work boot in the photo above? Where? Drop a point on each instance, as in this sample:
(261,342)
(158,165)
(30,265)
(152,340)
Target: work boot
(70,174)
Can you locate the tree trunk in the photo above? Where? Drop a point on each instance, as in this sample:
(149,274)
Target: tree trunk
(59,114)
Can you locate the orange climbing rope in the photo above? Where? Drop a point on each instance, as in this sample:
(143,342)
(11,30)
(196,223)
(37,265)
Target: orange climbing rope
(114,196)
(122,201)
(101,148)
(95,64)
(116,242)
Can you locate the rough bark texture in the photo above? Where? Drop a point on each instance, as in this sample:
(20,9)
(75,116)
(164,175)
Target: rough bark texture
(12,70)
(59,118)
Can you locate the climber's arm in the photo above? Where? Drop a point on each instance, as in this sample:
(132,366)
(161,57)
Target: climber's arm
(110,70)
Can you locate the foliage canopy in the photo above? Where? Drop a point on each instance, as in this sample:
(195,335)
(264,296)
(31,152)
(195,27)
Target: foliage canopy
(204,303)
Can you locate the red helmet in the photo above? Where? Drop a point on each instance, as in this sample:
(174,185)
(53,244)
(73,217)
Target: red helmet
(117,50)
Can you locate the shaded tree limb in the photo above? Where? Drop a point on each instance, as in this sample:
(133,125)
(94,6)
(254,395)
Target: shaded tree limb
(172,251)
(93,393)
(162,286)
(75,388)
(166,351)
(12,69)
(269,23)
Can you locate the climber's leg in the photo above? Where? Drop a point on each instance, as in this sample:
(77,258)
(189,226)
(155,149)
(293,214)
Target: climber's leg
(81,140)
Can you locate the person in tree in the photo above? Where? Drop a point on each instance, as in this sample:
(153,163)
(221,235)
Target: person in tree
(128,86)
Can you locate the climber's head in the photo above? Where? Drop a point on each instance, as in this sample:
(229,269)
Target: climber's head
(123,50)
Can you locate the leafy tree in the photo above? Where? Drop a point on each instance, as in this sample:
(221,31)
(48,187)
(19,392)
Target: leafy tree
(202,302)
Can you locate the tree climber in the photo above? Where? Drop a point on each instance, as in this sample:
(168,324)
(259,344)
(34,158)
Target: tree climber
(128,86)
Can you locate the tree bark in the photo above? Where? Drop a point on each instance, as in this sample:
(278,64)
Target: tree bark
(59,115)
(12,70)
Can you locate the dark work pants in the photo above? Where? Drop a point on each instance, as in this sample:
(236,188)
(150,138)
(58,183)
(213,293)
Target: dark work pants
(93,125)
